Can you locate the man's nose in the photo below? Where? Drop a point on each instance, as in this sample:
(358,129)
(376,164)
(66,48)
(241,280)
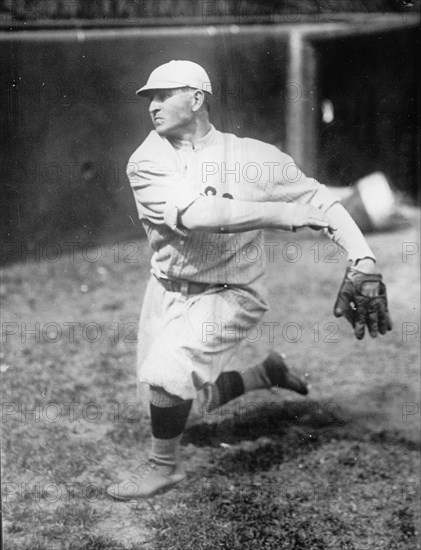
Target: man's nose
(154,106)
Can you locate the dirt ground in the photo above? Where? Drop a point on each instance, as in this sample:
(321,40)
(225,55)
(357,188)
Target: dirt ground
(336,470)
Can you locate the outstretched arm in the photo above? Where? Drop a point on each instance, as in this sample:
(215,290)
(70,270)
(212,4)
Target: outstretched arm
(362,297)
(222,215)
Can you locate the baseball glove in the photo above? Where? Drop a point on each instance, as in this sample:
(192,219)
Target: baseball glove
(362,300)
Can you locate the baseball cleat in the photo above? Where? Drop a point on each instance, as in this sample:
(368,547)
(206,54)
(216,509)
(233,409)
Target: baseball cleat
(153,480)
(281,376)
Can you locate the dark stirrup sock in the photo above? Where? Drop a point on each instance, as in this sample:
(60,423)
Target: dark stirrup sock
(227,387)
(272,372)
(169,415)
(169,422)
(232,384)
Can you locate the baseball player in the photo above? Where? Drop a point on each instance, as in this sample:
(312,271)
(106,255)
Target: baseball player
(204,197)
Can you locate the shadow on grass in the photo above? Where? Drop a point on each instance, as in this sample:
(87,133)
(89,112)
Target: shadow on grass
(284,431)
(271,419)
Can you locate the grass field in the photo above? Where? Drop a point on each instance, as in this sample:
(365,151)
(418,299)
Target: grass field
(337,470)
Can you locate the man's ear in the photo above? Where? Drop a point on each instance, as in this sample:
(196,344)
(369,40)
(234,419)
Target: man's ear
(199,99)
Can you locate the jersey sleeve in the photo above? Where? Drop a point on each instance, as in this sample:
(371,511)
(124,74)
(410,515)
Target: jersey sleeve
(288,183)
(285,181)
(160,192)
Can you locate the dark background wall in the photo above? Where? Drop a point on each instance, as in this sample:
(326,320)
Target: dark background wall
(371,81)
(72,118)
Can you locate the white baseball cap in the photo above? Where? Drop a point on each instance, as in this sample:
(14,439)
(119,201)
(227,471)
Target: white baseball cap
(177,74)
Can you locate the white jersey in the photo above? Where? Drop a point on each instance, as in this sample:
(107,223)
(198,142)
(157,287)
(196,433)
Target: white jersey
(167,176)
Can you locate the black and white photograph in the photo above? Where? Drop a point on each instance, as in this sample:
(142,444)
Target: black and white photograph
(210,275)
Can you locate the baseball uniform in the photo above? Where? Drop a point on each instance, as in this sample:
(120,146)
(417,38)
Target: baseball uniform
(206,287)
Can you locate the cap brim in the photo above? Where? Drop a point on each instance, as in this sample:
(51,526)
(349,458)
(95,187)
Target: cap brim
(160,85)
(167,85)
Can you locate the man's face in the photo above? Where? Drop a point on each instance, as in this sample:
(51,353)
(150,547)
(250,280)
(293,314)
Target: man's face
(171,111)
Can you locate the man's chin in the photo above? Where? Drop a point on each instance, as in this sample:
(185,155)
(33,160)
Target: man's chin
(161,130)
(166,132)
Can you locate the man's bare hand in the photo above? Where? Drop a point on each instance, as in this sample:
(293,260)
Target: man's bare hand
(306,215)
